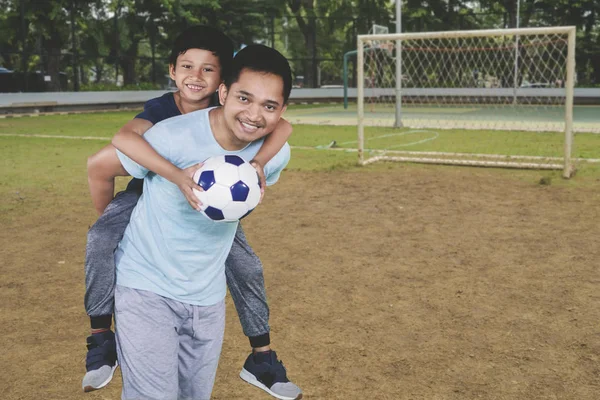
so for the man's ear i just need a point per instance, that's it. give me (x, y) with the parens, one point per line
(283, 108)
(172, 71)
(222, 93)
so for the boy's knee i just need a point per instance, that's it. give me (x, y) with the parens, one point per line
(255, 269)
(101, 235)
(252, 271)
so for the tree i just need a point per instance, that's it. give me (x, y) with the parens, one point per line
(132, 38)
(323, 19)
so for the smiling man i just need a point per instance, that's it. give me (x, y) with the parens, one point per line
(169, 299)
(250, 108)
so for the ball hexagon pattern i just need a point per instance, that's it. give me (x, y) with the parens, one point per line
(231, 188)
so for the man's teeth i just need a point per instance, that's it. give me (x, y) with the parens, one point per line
(248, 126)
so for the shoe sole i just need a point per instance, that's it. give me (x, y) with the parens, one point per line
(88, 389)
(251, 379)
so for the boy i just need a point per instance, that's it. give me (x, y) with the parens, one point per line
(169, 298)
(200, 56)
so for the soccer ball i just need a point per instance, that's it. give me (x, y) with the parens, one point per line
(231, 188)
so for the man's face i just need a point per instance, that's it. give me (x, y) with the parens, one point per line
(253, 105)
(197, 74)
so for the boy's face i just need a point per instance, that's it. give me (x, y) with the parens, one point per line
(197, 74)
(253, 105)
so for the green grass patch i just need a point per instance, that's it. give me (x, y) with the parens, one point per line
(299, 106)
(35, 168)
(587, 145)
(460, 141)
(92, 124)
(60, 164)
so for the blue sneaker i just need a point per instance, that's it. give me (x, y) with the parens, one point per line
(101, 361)
(265, 371)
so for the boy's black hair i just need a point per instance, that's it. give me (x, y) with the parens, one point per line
(259, 58)
(205, 38)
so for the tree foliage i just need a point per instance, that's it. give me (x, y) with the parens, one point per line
(95, 41)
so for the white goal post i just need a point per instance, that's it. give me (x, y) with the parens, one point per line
(466, 86)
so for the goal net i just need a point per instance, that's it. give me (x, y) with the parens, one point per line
(490, 98)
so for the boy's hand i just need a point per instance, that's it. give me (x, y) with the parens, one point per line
(187, 185)
(261, 176)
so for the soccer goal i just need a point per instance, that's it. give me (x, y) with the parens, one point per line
(500, 98)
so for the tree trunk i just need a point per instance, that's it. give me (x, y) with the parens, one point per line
(594, 57)
(128, 71)
(308, 27)
(128, 63)
(153, 51)
(53, 46)
(99, 71)
(511, 9)
(84, 75)
(310, 37)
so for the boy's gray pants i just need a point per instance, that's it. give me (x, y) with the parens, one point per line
(243, 268)
(167, 350)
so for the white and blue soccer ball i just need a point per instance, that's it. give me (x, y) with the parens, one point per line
(231, 188)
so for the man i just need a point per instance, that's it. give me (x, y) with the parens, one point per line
(169, 306)
(200, 58)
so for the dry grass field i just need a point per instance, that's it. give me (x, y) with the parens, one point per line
(385, 282)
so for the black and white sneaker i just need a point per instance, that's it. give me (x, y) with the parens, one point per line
(101, 361)
(265, 371)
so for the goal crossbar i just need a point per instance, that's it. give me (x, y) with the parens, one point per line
(472, 33)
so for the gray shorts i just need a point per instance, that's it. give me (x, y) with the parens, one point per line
(167, 349)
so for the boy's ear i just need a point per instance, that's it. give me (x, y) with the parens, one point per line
(222, 93)
(172, 71)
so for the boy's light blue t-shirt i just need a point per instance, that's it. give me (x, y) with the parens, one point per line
(168, 247)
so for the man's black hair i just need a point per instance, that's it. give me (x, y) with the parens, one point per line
(259, 58)
(205, 38)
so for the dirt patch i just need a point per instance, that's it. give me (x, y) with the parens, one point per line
(399, 283)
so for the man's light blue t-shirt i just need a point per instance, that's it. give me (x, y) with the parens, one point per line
(168, 247)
